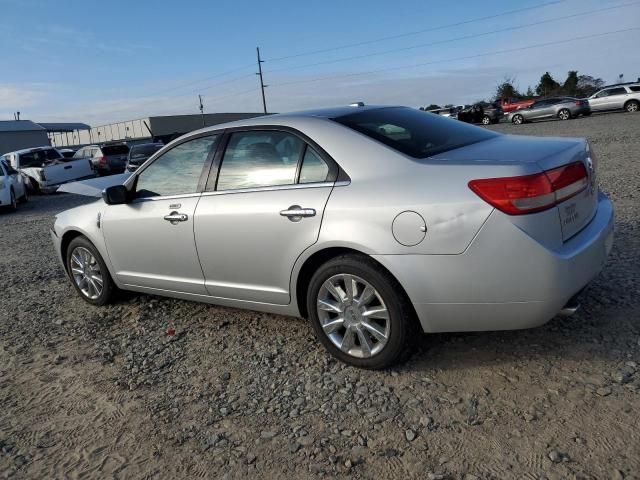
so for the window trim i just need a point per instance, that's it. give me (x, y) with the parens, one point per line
(335, 172)
(132, 182)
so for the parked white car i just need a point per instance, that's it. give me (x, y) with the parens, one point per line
(46, 168)
(12, 187)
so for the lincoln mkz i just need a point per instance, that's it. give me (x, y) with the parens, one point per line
(372, 222)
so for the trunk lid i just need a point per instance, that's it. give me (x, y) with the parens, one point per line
(547, 154)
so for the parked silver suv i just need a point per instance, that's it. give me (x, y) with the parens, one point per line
(617, 97)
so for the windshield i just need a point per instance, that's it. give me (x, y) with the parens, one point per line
(143, 151)
(413, 132)
(115, 150)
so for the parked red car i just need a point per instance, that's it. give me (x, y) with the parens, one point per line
(511, 104)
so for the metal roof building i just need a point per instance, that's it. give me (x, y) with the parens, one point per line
(163, 128)
(19, 134)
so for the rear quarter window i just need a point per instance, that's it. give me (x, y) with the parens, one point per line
(414, 132)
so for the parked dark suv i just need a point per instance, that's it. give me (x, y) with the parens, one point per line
(106, 159)
(140, 153)
(481, 112)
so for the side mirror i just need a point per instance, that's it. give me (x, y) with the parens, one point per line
(115, 195)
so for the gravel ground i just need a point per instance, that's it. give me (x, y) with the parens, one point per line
(105, 392)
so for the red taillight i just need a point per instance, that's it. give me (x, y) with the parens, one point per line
(532, 193)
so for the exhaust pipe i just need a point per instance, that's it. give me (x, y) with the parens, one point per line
(571, 307)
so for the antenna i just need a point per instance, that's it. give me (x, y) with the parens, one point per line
(201, 109)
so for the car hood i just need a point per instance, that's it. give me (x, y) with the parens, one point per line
(93, 187)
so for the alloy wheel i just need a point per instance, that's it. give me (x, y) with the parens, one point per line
(632, 107)
(518, 119)
(486, 120)
(86, 273)
(564, 115)
(353, 315)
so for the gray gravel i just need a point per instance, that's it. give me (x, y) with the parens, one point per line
(105, 392)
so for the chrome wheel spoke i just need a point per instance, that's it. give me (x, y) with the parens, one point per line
(376, 312)
(367, 295)
(336, 292)
(333, 325)
(351, 286)
(348, 341)
(375, 331)
(365, 343)
(330, 306)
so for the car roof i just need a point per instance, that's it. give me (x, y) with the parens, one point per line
(32, 149)
(286, 118)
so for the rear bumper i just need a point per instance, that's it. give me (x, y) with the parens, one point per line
(505, 280)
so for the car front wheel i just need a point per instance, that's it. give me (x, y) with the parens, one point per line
(359, 312)
(88, 272)
(486, 120)
(518, 119)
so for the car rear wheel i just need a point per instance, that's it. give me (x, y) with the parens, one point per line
(359, 312)
(564, 114)
(632, 106)
(518, 119)
(88, 272)
(486, 120)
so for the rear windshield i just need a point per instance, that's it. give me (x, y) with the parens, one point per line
(144, 151)
(413, 132)
(37, 158)
(115, 150)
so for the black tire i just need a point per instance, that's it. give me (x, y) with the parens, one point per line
(108, 289)
(564, 114)
(25, 197)
(517, 119)
(632, 106)
(13, 203)
(402, 322)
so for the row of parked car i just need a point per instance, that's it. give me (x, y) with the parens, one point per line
(615, 97)
(44, 169)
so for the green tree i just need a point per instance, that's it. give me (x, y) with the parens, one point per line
(547, 86)
(570, 86)
(507, 89)
(433, 106)
(587, 85)
(529, 93)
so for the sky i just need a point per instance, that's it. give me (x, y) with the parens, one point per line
(99, 62)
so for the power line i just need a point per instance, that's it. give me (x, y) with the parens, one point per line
(440, 42)
(416, 32)
(479, 55)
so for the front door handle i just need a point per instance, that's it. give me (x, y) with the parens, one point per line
(295, 213)
(176, 217)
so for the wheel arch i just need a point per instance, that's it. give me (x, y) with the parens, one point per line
(316, 259)
(631, 100)
(66, 239)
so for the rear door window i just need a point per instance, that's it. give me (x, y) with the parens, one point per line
(617, 91)
(259, 159)
(413, 132)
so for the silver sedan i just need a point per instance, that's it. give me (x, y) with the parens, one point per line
(563, 108)
(373, 222)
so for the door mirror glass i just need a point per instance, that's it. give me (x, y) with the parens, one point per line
(115, 195)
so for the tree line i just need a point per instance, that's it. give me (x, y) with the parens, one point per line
(574, 86)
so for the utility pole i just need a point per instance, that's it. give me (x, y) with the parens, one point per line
(262, 85)
(201, 109)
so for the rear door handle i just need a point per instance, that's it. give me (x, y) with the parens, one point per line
(175, 217)
(295, 213)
